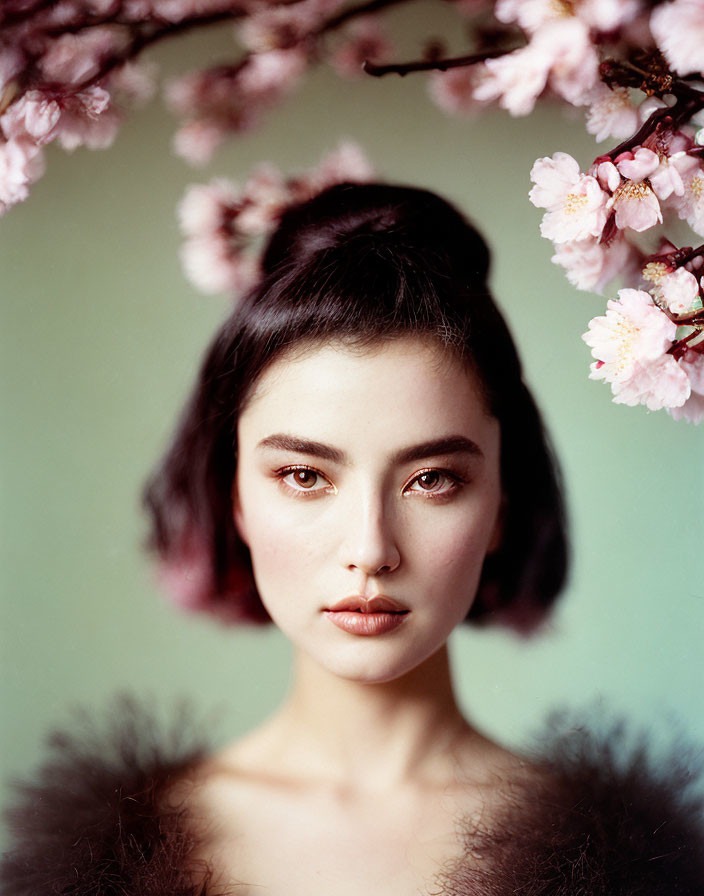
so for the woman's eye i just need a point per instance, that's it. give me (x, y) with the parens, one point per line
(434, 482)
(303, 479)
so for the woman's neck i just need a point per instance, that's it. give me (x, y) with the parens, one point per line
(376, 735)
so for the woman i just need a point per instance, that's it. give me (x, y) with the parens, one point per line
(362, 464)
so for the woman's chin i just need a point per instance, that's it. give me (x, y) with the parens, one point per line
(371, 663)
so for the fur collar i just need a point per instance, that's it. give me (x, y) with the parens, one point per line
(588, 822)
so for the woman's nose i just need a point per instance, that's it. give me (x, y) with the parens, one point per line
(370, 543)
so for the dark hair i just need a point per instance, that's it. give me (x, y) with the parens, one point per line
(361, 263)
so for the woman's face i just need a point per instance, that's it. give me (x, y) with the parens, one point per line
(368, 474)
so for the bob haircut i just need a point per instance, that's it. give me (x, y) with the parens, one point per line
(360, 264)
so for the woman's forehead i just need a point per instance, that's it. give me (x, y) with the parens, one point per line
(409, 387)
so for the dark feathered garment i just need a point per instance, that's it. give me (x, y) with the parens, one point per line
(586, 822)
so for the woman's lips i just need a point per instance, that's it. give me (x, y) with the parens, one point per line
(362, 616)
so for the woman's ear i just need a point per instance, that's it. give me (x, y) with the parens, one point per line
(237, 516)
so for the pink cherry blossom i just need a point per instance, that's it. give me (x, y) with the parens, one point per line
(636, 206)
(226, 100)
(347, 162)
(611, 113)
(591, 265)
(264, 197)
(515, 80)
(658, 384)
(603, 15)
(608, 176)
(560, 51)
(21, 164)
(364, 41)
(639, 165)
(530, 15)
(693, 408)
(85, 118)
(133, 83)
(607, 15)
(203, 207)
(197, 141)
(690, 205)
(678, 29)
(667, 179)
(213, 265)
(282, 27)
(574, 201)
(88, 119)
(453, 91)
(634, 331)
(76, 58)
(222, 223)
(679, 290)
(574, 69)
(35, 115)
(274, 72)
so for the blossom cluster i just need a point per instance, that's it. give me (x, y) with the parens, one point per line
(224, 224)
(649, 344)
(70, 70)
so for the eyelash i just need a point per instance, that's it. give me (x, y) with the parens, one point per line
(456, 482)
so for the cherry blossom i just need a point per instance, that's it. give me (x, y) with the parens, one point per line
(667, 180)
(636, 206)
(71, 70)
(76, 58)
(197, 141)
(693, 408)
(638, 165)
(608, 176)
(574, 201)
(21, 163)
(560, 53)
(660, 384)
(679, 291)
(678, 29)
(221, 101)
(690, 205)
(83, 118)
(454, 90)
(631, 345)
(515, 80)
(347, 162)
(611, 113)
(592, 265)
(607, 15)
(366, 41)
(633, 333)
(202, 207)
(223, 223)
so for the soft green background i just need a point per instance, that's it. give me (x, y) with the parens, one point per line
(101, 337)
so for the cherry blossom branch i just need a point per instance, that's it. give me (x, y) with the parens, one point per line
(679, 257)
(67, 69)
(428, 65)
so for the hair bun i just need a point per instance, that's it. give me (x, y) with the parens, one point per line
(346, 214)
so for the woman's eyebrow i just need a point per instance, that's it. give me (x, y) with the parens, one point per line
(303, 446)
(434, 448)
(437, 447)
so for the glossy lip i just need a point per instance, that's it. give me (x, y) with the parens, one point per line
(358, 604)
(367, 616)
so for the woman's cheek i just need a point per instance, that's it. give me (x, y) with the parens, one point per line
(278, 545)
